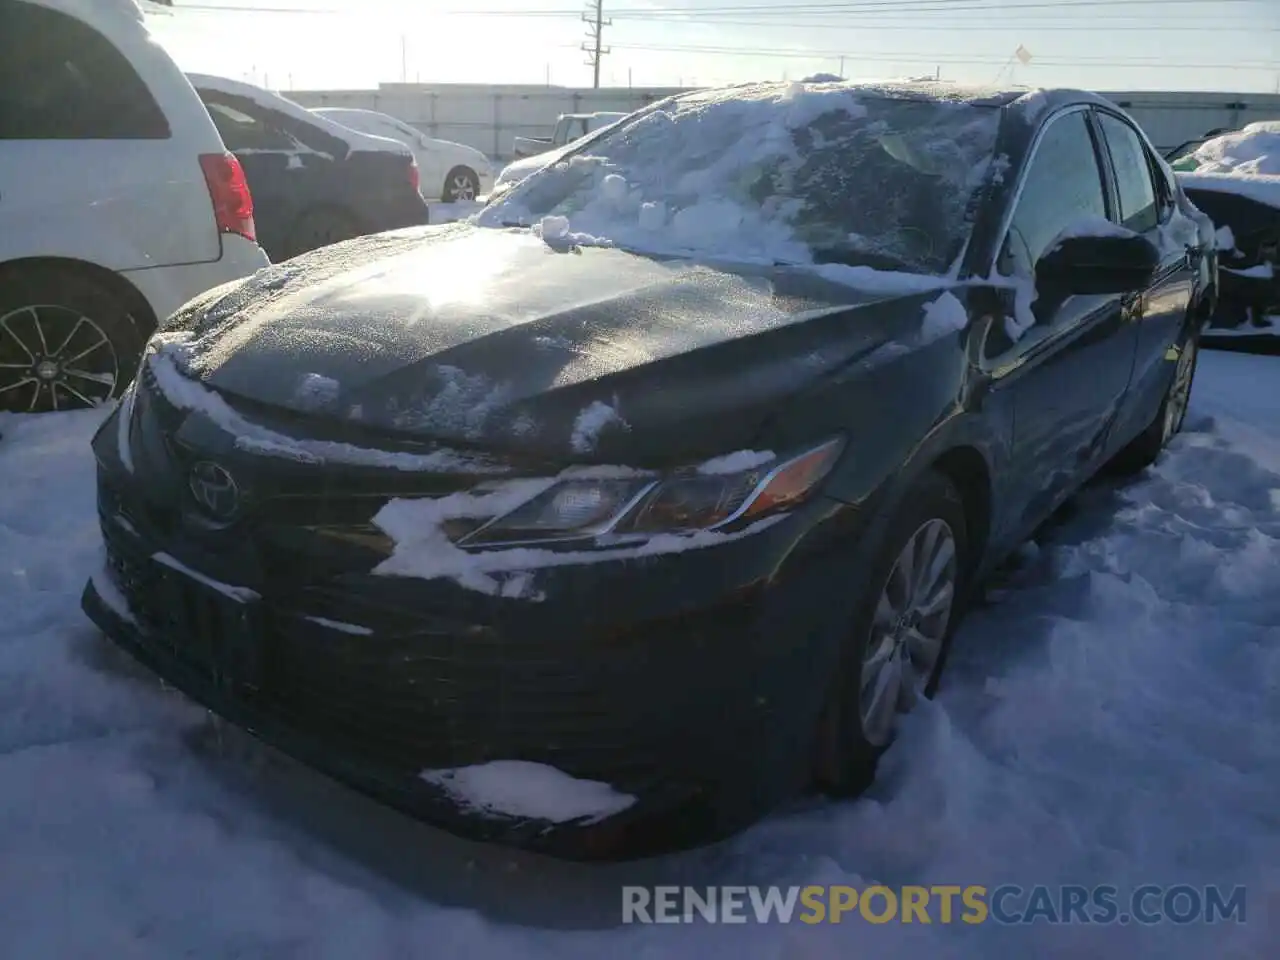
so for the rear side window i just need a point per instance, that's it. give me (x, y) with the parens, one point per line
(60, 79)
(243, 128)
(1139, 210)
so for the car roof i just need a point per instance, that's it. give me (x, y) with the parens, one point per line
(1033, 100)
(99, 13)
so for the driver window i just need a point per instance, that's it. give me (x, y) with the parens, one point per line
(1062, 186)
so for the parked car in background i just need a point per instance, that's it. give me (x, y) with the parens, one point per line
(517, 170)
(118, 200)
(1234, 178)
(448, 171)
(1180, 157)
(314, 181)
(674, 499)
(569, 127)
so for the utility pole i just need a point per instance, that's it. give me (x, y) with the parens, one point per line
(594, 19)
(404, 58)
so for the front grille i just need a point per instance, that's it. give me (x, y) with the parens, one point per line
(418, 694)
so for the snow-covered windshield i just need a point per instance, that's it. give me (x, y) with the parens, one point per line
(789, 173)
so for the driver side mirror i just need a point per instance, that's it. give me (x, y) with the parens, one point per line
(1113, 261)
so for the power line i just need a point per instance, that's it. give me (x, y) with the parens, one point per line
(789, 11)
(1093, 26)
(917, 57)
(596, 23)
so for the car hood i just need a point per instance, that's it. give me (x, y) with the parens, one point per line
(492, 338)
(520, 169)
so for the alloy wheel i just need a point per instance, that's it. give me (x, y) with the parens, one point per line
(908, 628)
(1175, 409)
(462, 188)
(54, 358)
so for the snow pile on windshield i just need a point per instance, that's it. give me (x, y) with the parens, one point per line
(524, 790)
(878, 177)
(1252, 151)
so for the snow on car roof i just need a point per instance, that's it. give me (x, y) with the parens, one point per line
(1263, 189)
(1251, 151)
(275, 101)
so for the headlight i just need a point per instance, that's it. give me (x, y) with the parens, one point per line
(682, 502)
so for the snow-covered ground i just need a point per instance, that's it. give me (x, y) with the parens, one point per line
(441, 212)
(1113, 718)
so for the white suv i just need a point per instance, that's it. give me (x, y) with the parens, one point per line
(118, 201)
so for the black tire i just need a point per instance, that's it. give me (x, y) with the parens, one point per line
(321, 227)
(460, 184)
(1146, 448)
(846, 754)
(67, 342)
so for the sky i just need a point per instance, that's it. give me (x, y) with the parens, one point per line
(1105, 45)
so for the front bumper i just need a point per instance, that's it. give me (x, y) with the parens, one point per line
(692, 681)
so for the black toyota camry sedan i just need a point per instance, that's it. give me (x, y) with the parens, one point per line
(605, 522)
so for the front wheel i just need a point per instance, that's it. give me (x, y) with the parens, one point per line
(66, 342)
(897, 644)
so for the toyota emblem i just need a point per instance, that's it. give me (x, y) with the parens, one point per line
(215, 490)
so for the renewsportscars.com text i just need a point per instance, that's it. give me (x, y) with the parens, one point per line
(1007, 904)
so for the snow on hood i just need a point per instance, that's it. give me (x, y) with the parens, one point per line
(484, 336)
(775, 173)
(520, 169)
(1252, 151)
(271, 100)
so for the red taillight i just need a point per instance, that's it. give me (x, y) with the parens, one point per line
(229, 191)
(415, 176)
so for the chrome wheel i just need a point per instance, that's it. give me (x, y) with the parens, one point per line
(54, 358)
(908, 628)
(1175, 407)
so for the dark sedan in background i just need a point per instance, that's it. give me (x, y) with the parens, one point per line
(1249, 266)
(314, 182)
(673, 473)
